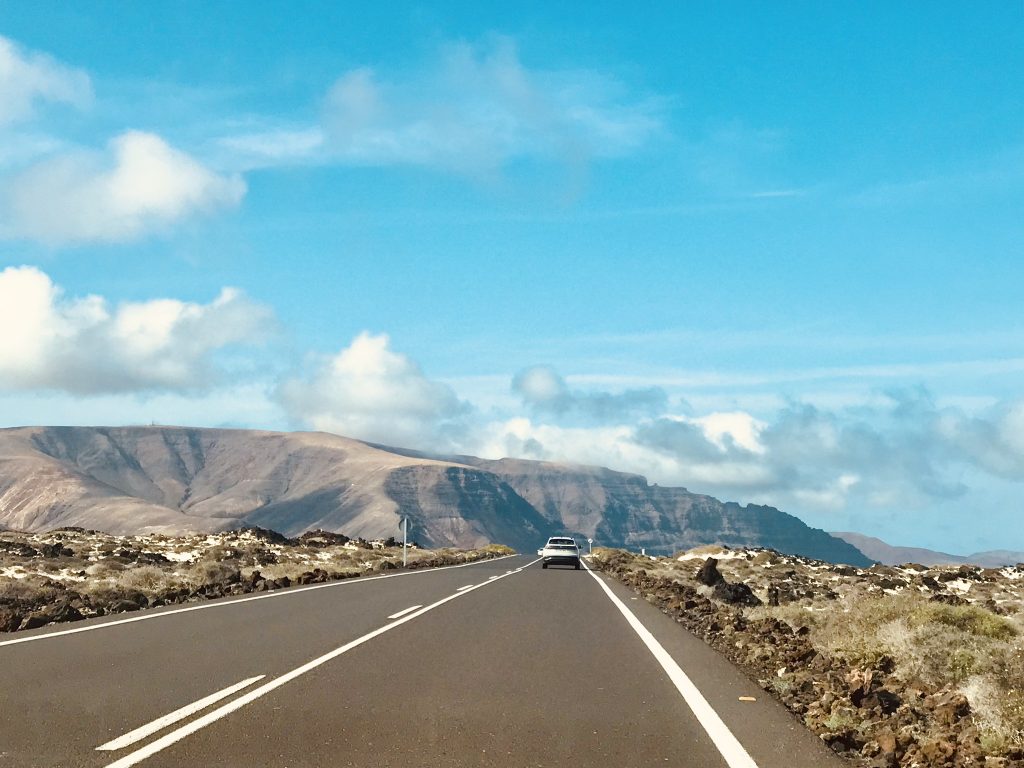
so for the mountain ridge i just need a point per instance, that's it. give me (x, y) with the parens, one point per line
(888, 554)
(176, 479)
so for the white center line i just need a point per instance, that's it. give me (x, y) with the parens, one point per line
(179, 714)
(199, 723)
(724, 740)
(400, 614)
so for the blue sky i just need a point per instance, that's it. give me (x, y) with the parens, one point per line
(771, 252)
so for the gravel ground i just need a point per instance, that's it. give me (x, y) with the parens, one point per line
(71, 574)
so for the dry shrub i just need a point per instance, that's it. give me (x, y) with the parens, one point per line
(148, 579)
(614, 558)
(339, 558)
(998, 713)
(970, 619)
(936, 654)
(221, 552)
(104, 569)
(794, 614)
(31, 589)
(704, 550)
(767, 557)
(498, 550)
(290, 569)
(101, 592)
(205, 573)
(939, 645)
(244, 554)
(934, 643)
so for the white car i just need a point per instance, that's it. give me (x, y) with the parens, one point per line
(560, 550)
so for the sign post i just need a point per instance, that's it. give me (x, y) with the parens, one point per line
(405, 540)
(590, 542)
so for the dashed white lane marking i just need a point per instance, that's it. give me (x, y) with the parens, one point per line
(400, 614)
(468, 586)
(199, 723)
(179, 714)
(226, 603)
(725, 742)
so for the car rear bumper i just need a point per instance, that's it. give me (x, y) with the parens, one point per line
(561, 560)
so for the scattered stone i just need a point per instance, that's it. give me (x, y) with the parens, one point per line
(55, 550)
(868, 714)
(321, 538)
(708, 574)
(736, 594)
(123, 606)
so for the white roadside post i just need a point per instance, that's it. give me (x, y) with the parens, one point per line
(405, 540)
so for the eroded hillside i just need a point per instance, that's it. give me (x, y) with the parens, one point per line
(177, 480)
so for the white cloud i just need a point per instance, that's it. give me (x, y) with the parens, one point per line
(28, 78)
(272, 147)
(893, 451)
(477, 110)
(544, 391)
(471, 112)
(888, 451)
(20, 148)
(83, 346)
(736, 427)
(372, 393)
(140, 184)
(540, 385)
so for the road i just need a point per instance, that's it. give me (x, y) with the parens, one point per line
(497, 663)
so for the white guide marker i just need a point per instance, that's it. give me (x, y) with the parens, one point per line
(400, 614)
(179, 714)
(725, 742)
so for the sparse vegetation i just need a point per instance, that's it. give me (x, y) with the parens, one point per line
(68, 575)
(893, 667)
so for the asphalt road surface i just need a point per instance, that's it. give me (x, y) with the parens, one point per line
(497, 663)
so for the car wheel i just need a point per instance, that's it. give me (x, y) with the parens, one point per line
(577, 566)
(543, 565)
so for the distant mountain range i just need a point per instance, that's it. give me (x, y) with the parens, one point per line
(127, 480)
(886, 554)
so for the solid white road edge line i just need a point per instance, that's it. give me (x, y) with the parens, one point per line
(179, 714)
(223, 603)
(400, 614)
(468, 586)
(211, 717)
(728, 745)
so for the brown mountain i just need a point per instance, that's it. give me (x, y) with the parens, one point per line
(175, 479)
(887, 554)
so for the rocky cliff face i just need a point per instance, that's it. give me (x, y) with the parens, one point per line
(618, 507)
(465, 505)
(130, 480)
